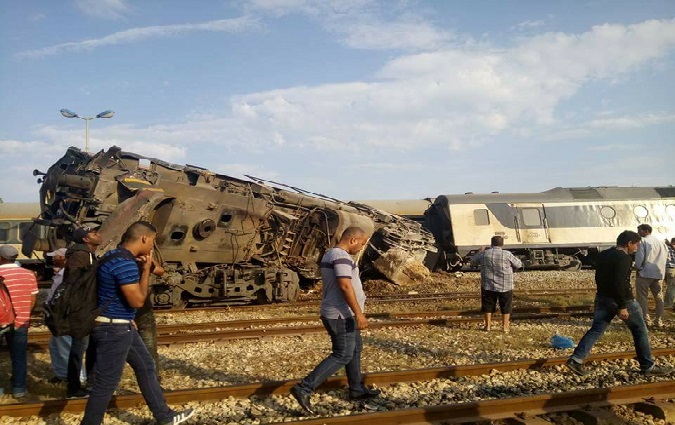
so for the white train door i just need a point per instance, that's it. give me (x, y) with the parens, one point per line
(531, 225)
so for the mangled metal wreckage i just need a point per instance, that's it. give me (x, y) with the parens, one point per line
(220, 239)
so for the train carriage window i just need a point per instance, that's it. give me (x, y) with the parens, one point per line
(531, 217)
(607, 212)
(4, 231)
(641, 211)
(670, 209)
(481, 217)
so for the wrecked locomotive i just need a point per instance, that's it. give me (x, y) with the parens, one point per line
(220, 239)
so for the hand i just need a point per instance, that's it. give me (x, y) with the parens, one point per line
(146, 261)
(482, 248)
(623, 314)
(361, 321)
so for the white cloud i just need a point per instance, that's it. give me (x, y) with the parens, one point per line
(451, 98)
(627, 123)
(365, 24)
(133, 35)
(529, 24)
(106, 9)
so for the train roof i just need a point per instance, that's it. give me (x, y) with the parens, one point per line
(405, 207)
(565, 194)
(18, 210)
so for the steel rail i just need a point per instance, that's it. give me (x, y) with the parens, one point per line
(175, 334)
(283, 387)
(384, 299)
(506, 408)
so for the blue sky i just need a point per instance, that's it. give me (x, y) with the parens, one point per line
(356, 99)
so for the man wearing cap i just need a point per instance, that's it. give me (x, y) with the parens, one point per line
(81, 254)
(59, 346)
(23, 289)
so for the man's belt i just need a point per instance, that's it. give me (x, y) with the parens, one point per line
(103, 319)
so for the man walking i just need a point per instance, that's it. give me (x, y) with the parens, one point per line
(122, 288)
(670, 275)
(342, 314)
(650, 261)
(81, 254)
(614, 297)
(496, 278)
(23, 290)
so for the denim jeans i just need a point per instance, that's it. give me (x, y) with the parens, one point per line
(117, 344)
(17, 342)
(59, 349)
(605, 310)
(147, 329)
(670, 287)
(75, 356)
(346, 352)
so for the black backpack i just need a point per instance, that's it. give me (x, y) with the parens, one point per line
(73, 308)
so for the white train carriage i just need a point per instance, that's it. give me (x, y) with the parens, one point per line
(558, 228)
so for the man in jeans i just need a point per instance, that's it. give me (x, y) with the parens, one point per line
(650, 261)
(122, 288)
(342, 315)
(80, 254)
(23, 290)
(670, 275)
(614, 297)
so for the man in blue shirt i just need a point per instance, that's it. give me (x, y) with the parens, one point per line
(122, 288)
(342, 314)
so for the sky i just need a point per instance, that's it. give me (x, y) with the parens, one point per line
(354, 99)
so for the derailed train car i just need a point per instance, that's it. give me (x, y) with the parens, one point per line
(559, 228)
(220, 239)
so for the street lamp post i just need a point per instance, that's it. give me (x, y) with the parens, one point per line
(70, 114)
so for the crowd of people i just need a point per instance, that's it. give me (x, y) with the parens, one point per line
(125, 329)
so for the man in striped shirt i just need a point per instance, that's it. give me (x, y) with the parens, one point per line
(342, 314)
(496, 276)
(123, 278)
(23, 289)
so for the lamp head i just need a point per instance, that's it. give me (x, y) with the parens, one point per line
(106, 114)
(68, 113)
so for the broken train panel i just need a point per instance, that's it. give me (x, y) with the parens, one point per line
(219, 238)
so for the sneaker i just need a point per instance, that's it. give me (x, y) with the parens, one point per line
(303, 399)
(367, 394)
(57, 380)
(575, 367)
(19, 394)
(658, 370)
(81, 393)
(179, 417)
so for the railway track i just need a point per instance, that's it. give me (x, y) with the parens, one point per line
(441, 296)
(243, 329)
(450, 413)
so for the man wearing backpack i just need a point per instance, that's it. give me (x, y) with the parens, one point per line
(23, 290)
(123, 284)
(79, 255)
